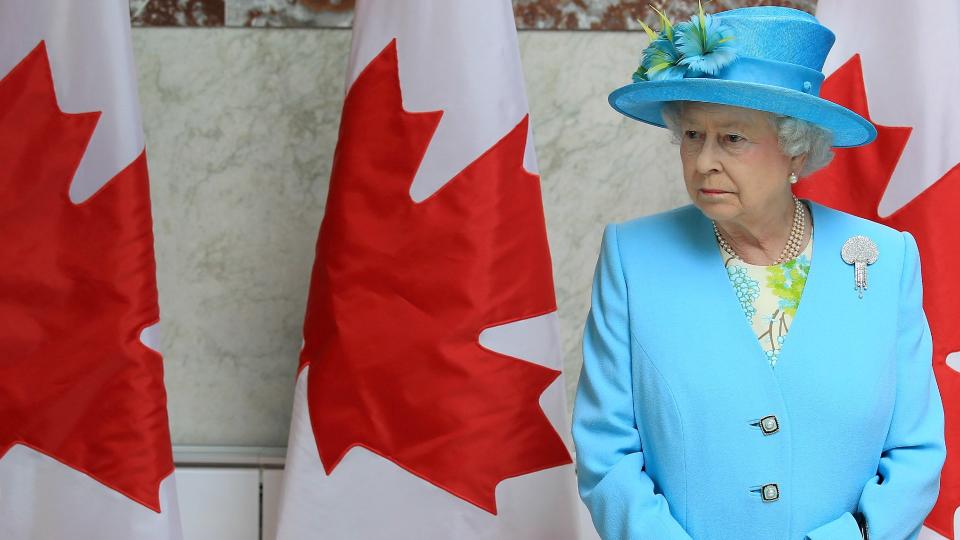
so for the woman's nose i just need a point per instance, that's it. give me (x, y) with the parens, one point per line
(708, 157)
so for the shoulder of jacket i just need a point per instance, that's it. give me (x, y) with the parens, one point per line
(658, 223)
(848, 225)
(852, 220)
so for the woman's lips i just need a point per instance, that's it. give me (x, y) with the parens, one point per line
(713, 191)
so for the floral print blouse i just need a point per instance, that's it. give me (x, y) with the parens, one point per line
(769, 295)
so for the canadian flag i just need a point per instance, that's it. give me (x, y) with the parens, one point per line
(430, 401)
(84, 439)
(887, 65)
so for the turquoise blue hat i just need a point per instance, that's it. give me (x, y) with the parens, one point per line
(764, 58)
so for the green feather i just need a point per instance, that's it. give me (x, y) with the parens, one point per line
(657, 68)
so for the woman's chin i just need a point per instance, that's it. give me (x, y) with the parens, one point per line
(716, 207)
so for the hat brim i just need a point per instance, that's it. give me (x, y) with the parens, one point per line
(643, 101)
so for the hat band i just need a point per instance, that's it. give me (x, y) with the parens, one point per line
(770, 72)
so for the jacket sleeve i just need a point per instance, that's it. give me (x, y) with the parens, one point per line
(898, 498)
(610, 466)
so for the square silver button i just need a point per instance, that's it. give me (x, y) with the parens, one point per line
(769, 425)
(770, 492)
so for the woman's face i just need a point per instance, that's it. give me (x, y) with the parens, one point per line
(733, 166)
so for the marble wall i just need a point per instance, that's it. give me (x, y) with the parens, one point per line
(530, 14)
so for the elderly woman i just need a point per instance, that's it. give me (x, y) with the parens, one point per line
(696, 415)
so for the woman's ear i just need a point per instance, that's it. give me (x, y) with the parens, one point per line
(796, 163)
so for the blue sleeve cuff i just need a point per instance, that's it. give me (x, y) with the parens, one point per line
(843, 528)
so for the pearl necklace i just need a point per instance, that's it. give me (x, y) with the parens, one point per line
(794, 243)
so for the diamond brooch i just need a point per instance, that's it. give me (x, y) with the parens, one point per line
(859, 251)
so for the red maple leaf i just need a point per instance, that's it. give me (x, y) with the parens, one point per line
(855, 182)
(401, 291)
(77, 286)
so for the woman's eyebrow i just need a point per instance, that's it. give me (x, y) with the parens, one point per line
(734, 124)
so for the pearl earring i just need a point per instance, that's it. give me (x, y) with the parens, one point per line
(793, 178)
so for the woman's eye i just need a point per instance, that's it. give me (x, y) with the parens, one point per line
(734, 138)
(691, 134)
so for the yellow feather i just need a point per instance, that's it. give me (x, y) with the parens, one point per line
(665, 23)
(650, 33)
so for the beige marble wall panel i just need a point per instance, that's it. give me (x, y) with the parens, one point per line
(241, 125)
(240, 128)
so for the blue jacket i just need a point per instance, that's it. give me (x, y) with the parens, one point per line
(667, 415)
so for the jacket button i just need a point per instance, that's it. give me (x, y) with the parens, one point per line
(769, 425)
(770, 492)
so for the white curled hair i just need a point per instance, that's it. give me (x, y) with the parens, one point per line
(796, 137)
